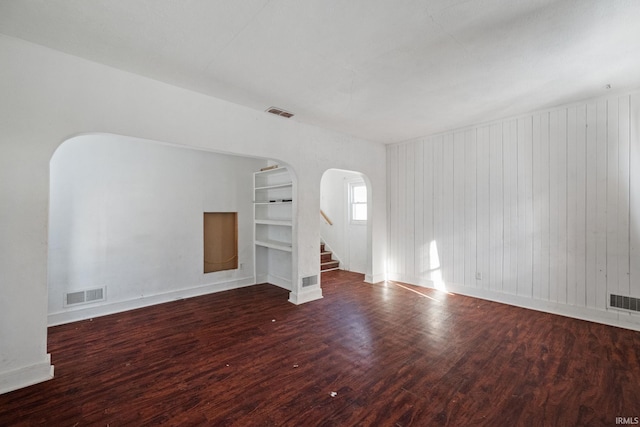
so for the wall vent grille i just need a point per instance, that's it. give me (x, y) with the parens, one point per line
(309, 281)
(279, 112)
(625, 303)
(84, 297)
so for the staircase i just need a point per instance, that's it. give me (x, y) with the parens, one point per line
(327, 263)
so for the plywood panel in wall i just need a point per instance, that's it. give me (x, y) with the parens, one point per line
(634, 195)
(525, 207)
(458, 207)
(558, 206)
(623, 195)
(562, 208)
(601, 205)
(470, 208)
(541, 200)
(435, 246)
(220, 241)
(612, 248)
(402, 212)
(581, 204)
(572, 204)
(428, 208)
(448, 214)
(410, 212)
(483, 222)
(554, 190)
(418, 184)
(496, 208)
(392, 208)
(510, 162)
(591, 206)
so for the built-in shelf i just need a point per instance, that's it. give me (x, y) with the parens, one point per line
(273, 187)
(273, 203)
(273, 207)
(274, 244)
(283, 222)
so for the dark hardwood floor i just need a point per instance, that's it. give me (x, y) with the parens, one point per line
(394, 355)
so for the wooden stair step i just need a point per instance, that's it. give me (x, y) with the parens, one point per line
(329, 265)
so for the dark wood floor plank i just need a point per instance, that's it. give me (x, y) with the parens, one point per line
(394, 354)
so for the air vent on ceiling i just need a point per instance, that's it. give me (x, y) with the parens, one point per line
(279, 112)
(84, 297)
(626, 303)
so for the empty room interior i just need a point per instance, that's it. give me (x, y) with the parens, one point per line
(297, 213)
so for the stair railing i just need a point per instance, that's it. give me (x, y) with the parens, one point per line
(325, 217)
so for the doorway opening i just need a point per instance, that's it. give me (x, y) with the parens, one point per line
(345, 221)
(128, 224)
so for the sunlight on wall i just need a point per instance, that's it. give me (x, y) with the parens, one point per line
(434, 264)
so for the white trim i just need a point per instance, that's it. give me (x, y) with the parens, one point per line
(375, 278)
(26, 376)
(607, 317)
(560, 107)
(84, 313)
(306, 296)
(281, 282)
(351, 184)
(349, 222)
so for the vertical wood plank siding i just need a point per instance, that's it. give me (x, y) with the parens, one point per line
(544, 207)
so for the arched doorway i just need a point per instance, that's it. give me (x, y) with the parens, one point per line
(126, 223)
(345, 229)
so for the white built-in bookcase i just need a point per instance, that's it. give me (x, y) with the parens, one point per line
(273, 204)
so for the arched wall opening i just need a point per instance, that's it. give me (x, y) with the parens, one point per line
(103, 98)
(126, 218)
(344, 229)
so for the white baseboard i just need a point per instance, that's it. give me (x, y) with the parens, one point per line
(611, 317)
(305, 296)
(26, 376)
(117, 307)
(281, 282)
(375, 278)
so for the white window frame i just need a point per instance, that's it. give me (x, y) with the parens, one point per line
(351, 187)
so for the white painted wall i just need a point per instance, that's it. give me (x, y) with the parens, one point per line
(127, 214)
(346, 240)
(49, 97)
(545, 207)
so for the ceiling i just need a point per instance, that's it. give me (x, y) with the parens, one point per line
(383, 70)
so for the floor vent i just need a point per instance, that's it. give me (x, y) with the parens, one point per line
(626, 303)
(309, 281)
(84, 297)
(279, 112)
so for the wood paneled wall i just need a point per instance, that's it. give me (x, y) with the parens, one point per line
(545, 207)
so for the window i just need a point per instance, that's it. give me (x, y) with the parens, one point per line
(358, 202)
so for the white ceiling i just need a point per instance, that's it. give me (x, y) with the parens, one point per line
(383, 70)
